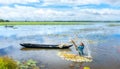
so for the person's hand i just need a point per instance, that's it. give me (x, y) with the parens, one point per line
(72, 41)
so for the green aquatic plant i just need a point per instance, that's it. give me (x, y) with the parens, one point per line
(30, 64)
(114, 25)
(7, 63)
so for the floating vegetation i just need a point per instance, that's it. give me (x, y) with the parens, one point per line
(92, 42)
(9, 63)
(114, 25)
(73, 57)
(90, 29)
(30, 64)
(58, 35)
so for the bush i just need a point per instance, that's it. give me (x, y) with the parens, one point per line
(2, 20)
(7, 63)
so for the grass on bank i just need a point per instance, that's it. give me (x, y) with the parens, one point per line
(45, 23)
(114, 25)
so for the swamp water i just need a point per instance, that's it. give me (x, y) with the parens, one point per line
(102, 40)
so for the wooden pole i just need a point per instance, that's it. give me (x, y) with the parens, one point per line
(74, 44)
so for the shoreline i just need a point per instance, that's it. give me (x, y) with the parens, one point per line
(45, 23)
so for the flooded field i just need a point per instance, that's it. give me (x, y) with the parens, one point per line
(101, 39)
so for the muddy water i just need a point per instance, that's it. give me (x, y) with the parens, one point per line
(103, 42)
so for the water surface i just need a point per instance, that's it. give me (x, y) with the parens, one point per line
(102, 40)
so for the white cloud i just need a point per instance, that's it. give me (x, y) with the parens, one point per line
(102, 11)
(112, 2)
(61, 2)
(81, 2)
(32, 13)
(17, 1)
(70, 2)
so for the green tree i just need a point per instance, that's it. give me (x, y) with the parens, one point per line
(1, 20)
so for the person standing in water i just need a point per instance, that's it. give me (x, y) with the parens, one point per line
(79, 48)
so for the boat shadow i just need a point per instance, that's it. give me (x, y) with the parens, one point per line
(37, 49)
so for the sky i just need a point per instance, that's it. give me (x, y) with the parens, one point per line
(60, 10)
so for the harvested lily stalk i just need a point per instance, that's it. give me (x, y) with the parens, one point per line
(73, 57)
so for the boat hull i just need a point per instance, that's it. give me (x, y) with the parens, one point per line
(29, 45)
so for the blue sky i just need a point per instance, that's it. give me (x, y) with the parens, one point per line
(49, 10)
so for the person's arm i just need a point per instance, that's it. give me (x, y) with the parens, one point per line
(74, 44)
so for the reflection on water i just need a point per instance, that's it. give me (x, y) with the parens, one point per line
(6, 50)
(35, 49)
(103, 42)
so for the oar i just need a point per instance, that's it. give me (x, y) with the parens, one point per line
(74, 44)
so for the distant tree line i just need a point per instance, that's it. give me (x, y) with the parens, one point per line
(2, 20)
(66, 21)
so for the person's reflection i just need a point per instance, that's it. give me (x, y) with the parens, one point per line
(76, 65)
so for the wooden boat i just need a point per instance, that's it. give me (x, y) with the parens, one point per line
(30, 45)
